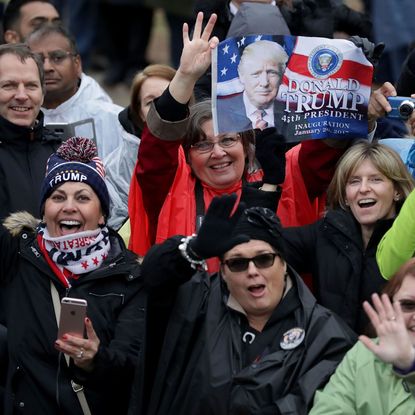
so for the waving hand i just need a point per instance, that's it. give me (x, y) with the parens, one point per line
(195, 59)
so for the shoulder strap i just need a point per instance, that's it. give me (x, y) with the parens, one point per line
(200, 204)
(78, 389)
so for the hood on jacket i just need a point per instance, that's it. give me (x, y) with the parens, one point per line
(18, 221)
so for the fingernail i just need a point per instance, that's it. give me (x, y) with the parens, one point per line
(65, 337)
(87, 319)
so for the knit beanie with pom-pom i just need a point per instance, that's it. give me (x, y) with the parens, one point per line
(76, 160)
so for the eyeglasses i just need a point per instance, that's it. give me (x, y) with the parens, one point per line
(56, 56)
(241, 264)
(407, 306)
(206, 146)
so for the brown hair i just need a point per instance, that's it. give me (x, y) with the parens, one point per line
(202, 112)
(395, 283)
(23, 52)
(157, 70)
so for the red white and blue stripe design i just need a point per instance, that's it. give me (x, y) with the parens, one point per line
(324, 91)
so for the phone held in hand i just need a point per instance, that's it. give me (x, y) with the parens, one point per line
(72, 319)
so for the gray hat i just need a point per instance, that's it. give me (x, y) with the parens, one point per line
(258, 18)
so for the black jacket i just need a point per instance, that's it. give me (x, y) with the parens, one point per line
(38, 379)
(23, 155)
(304, 18)
(206, 368)
(344, 273)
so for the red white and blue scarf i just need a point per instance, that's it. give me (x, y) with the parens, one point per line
(74, 254)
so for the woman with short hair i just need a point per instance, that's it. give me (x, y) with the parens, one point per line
(250, 339)
(182, 164)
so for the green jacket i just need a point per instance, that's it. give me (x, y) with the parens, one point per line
(398, 244)
(364, 385)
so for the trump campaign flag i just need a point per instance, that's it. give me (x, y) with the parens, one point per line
(308, 88)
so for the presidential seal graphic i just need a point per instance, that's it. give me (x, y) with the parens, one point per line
(325, 60)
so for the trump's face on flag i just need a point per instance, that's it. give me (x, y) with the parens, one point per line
(260, 70)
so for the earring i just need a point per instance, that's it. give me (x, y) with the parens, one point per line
(346, 203)
(396, 198)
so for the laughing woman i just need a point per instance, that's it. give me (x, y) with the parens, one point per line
(176, 179)
(70, 253)
(368, 188)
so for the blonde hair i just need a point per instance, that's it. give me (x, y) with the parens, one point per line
(386, 160)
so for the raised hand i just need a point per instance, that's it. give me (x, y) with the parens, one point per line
(394, 342)
(195, 59)
(196, 54)
(215, 235)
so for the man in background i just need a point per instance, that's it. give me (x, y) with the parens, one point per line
(71, 99)
(22, 17)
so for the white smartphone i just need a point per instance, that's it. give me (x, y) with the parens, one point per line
(72, 319)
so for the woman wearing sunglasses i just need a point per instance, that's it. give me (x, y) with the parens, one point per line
(377, 376)
(247, 340)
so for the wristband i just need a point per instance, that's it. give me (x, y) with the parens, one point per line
(405, 371)
(187, 253)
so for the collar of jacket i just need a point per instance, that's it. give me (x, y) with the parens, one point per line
(126, 119)
(12, 133)
(346, 223)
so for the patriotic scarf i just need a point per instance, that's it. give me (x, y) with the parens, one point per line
(74, 254)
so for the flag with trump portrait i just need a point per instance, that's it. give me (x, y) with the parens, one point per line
(307, 87)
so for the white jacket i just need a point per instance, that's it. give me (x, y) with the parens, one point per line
(115, 146)
(90, 102)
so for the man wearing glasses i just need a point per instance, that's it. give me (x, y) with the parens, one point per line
(23, 17)
(74, 106)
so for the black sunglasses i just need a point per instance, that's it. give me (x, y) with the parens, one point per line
(241, 264)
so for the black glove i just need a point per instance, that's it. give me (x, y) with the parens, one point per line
(270, 150)
(215, 235)
(372, 52)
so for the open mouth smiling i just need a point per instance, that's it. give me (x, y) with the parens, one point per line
(221, 165)
(20, 109)
(366, 203)
(70, 225)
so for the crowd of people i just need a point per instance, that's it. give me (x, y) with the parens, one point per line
(237, 272)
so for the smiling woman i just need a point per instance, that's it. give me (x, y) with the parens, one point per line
(71, 253)
(182, 164)
(367, 190)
